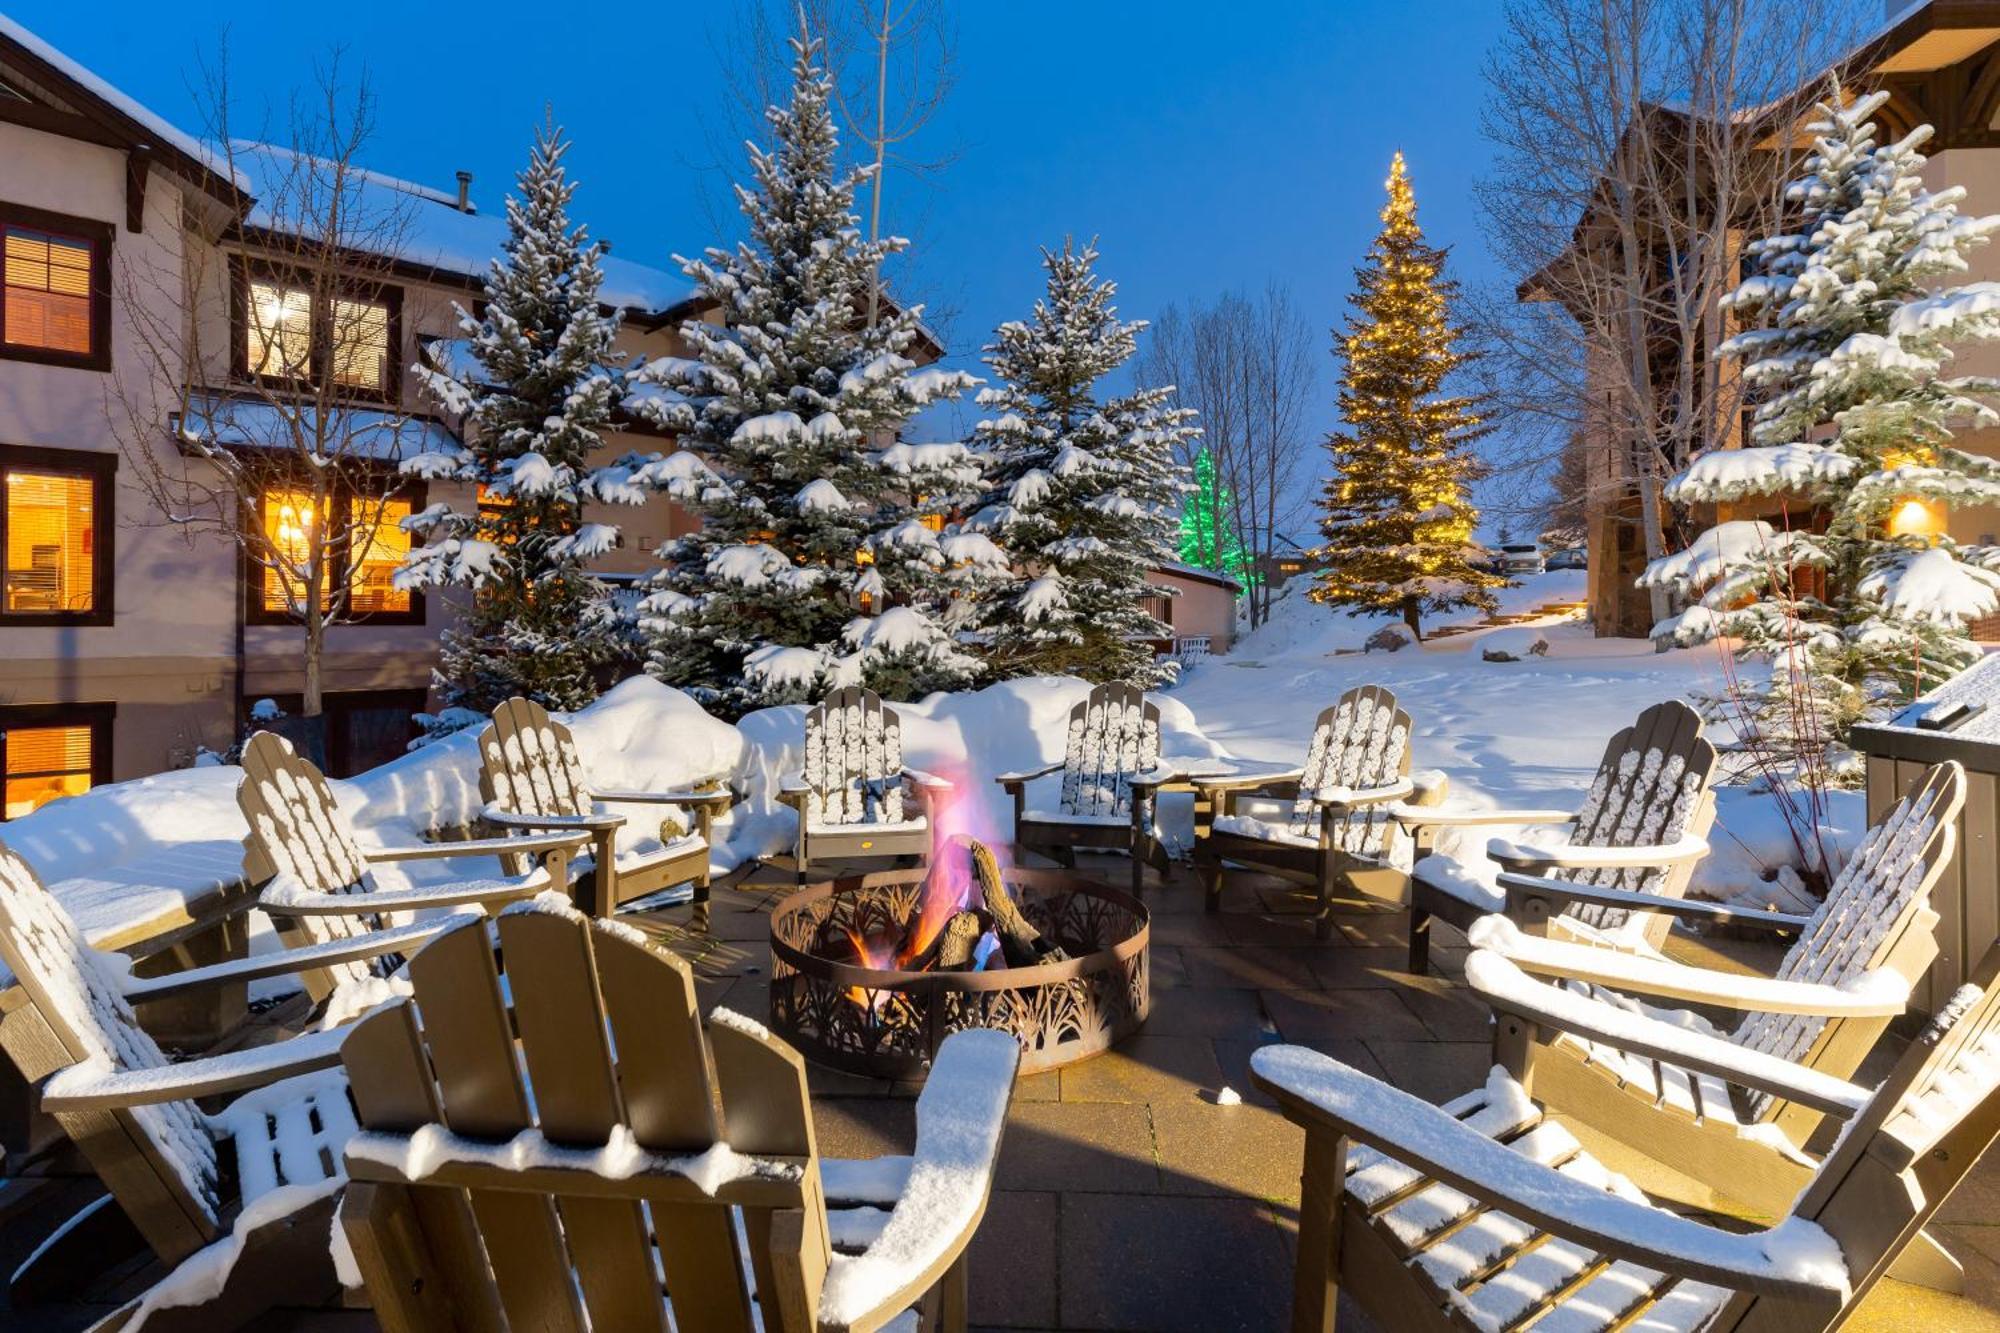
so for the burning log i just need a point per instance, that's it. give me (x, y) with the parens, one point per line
(1020, 942)
(955, 946)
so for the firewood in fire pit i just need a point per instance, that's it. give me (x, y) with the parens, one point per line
(1020, 942)
(961, 935)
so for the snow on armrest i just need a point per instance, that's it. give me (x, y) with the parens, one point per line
(94, 1085)
(1028, 775)
(1797, 1256)
(514, 819)
(1436, 816)
(1567, 856)
(1394, 791)
(794, 782)
(285, 896)
(1237, 777)
(959, 1118)
(923, 779)
(347, 949)
(1639, 901)
(1507, 987)
(438, 851)
(1157, 776)
(1880, 993)
(683, 796)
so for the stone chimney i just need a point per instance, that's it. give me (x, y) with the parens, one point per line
(465, 192)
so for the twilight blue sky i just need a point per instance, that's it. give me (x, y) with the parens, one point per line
(1207, 147)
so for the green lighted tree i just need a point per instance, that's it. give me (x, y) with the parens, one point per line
(1207, 540)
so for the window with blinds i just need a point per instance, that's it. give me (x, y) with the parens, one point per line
(279, 330)
(376, 550)
(47, 284)
(368, 545)
(51, 543)
(360, 338)
(289, 334)
(289, 525)
(45, 762)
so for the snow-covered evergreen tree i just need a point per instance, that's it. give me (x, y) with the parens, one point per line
(1397, 513)
(824, 556)
(1864, 599)
(536, 386)
(1085, 490)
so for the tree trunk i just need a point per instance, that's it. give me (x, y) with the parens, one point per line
(1413, 617)
(881, 162)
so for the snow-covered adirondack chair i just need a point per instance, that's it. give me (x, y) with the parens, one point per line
(1324, 823)
(493, 1189)
(1484, 1214)
(1605, 1060)
(1111, 776)
(133, 1114)
(533, 779)
(320, 888)
(854, 796)
(1643, 825)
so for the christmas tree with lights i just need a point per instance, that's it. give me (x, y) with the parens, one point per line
(1208, 540)
(1396, 514)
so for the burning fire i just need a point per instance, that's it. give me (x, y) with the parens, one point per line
(952, 887)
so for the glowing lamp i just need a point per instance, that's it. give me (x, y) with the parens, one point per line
(1915, 518)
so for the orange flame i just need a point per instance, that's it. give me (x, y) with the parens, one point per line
(956, 814)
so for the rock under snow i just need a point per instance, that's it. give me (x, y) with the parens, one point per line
(1511, 645)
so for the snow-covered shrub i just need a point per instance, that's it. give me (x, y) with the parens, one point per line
(1511, 645)
(1389, 639)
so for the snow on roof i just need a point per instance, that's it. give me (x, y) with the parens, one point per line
(434, 233)
(1175, 568)
(128, 106)
(356, 432)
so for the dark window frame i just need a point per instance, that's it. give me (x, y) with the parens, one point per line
(100, 236)
(97, 716)
(102, 471)
(250, 268)
(254, 572)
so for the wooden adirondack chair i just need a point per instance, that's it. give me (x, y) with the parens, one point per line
(532, 778)
(1642, 825)
(1482, 1213)
(1325, 823)
(133, 1113)
(320, 889)
(1111, 777)
(854, 797)
(1606, 1061)
(459, 1229)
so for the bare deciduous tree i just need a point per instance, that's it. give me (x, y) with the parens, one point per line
(269, 416)
(1248, 367)
(1637, 142)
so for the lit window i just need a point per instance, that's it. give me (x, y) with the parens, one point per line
(287, 334)
(1915, 518)
(378, 547)
(289, 524)
(361, 344)
(48, 291)
(51, 543)
(280, 330)
(47, 756)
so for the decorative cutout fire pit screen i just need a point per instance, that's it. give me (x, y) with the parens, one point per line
(857, 982)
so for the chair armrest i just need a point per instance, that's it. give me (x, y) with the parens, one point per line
(285, 896)
(515, 819)
(439, 851)
(923, 779)
(1158, 776)
(1016, 779)
(1508, 989)
(1320, 1093)
(1878, 994)
(1244, 779)
(400, 939)
(688, 796)
(92, 1086)
(1348, 797)
(1520, 886)
(1432, 816)
(960, 1115)
(1525, 856)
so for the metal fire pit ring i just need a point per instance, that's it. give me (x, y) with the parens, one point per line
(1060, 1012)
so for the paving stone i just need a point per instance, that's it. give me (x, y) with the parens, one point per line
(1257, 968)
(1043, 1087)
(1309, 1017)
(1013, 1261)
(864, 1126)
(1205, 1011)
(1447, 1008)
(1360, 965)
(1100, 1146)
(1436, 1071)
(1166, 968)
(1171, 1265)
(1289, 929)
(1234, 1057)
(1151, 1067)
(1196, 927)
(1248, 1150)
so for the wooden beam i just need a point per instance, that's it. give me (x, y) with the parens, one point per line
(37, 116)
(138, 165)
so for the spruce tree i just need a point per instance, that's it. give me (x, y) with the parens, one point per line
(1084, 490)
(1864, 601)
(537, 386)
(1397, 515)
(824, 556)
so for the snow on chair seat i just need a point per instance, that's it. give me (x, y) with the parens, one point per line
(620, 1095)
(532, 777)
(1484, 1214)
(853, 796)
(1648, 808)
(1844, 977)
(1328, 823)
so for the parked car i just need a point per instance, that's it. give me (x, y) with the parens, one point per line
(1522, 559)
(1574, 557)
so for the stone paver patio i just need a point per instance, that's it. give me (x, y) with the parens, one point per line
(1128, 1198)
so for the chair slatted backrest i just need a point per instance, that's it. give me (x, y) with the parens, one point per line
(1898, 1160)
(160, 1159)
(854, 760)
(612, 1057)
(528, 762)
(297, 828)
(1362, 741)
(1876, 914)
(1651, 788)
(1114, 734)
